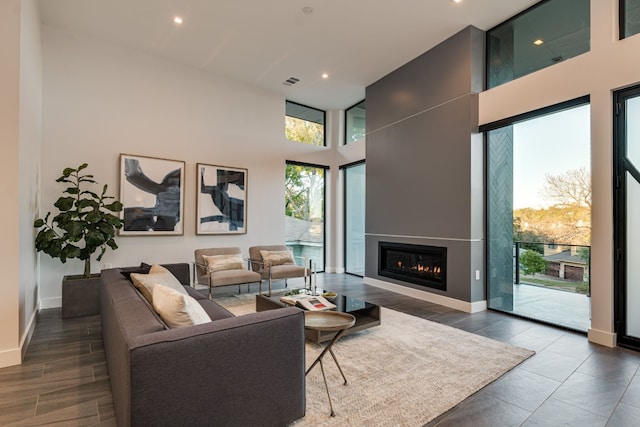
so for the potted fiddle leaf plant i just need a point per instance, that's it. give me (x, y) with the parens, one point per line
(86, 223)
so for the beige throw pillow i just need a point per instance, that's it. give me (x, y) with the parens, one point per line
(176, 309)
(224, 262)
(277, 257)
(158, 275)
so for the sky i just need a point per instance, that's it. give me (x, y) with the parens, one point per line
(549, 144)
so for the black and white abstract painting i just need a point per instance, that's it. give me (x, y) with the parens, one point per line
(152, 193)
(221, 200)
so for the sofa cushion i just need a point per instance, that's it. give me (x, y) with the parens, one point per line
(157, 275)
(277, 257)
(142, 269)
(177, 309)
(215, 311)
(224, 262)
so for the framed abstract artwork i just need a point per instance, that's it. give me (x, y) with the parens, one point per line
(152, 194)
(221, 200)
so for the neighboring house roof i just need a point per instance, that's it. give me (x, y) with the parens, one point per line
(301, 231)
(565, 256)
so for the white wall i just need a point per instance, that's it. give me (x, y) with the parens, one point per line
(100, 100)
(29, 162)
(9, 135)
(611, 64)
(20, 77)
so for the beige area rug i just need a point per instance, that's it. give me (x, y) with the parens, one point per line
(405, 372)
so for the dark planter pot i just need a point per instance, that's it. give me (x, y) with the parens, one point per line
(80, 296)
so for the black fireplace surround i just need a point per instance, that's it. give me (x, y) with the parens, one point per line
(417, 264)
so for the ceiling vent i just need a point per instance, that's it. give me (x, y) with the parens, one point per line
(291, 81)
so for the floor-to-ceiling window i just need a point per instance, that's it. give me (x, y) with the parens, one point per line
(627, 215)
(539, 215)
(304, 211)
(354, 217)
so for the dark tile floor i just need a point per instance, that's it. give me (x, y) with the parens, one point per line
(570, 382)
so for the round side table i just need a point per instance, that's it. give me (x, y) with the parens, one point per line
(328, 321)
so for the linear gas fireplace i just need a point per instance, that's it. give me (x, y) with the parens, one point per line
(418, 264)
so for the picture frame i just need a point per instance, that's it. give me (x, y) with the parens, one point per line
(152, 195)
(221, 199)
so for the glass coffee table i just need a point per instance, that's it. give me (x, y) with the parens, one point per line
(366, 314)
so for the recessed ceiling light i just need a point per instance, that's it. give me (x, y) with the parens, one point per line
(307, 9)
(538, 42)
(457, 1)
(325, 75)
(177, 20)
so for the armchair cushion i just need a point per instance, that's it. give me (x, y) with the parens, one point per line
(177, 309)
(277, 257)
(224, 262)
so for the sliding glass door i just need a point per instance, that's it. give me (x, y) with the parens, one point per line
(627, 215)
(539, 216)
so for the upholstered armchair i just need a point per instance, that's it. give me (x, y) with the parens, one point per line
(223, 267)
(276, 262)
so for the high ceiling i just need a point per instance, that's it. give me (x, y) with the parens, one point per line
(265, 42)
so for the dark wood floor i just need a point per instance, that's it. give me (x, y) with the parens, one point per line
(64, 380)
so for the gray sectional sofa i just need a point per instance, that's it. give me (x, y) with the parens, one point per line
(233, 371)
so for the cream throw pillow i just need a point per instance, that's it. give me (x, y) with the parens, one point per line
(158, 275)
(176, 309)
(224, 262)
(277, 257)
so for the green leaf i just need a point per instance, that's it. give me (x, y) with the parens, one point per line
(87, 203)
(114, 206)
(64, 217)
(92, 194)
(71, 251)
(64, 203)
(93, 216)
(102, 251)
(67, 171)
(112, 244)
(94, 239)
(72, 190)
(38, 223)
(106, 228)
(75, 230)
(82, 166)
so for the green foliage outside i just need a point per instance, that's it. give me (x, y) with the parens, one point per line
(85, 223)
(532, 262)
(303, 192)
(303, 131)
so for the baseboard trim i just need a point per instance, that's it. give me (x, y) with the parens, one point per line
(26, 338)
(10, 357)
(54, 302)
(607, 339)
(467, 307)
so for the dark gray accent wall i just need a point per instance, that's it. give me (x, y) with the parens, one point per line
(425, 161)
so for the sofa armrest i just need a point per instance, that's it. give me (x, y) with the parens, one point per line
(247, 370)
